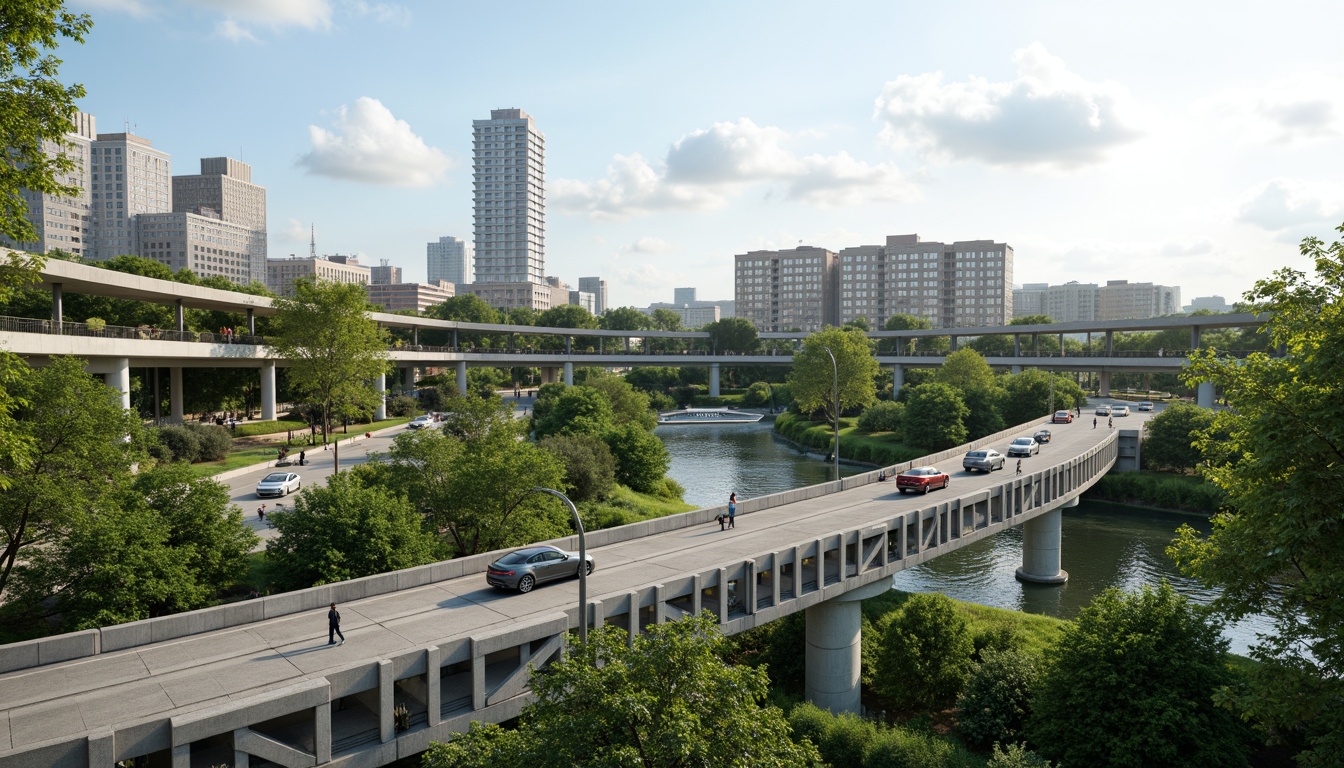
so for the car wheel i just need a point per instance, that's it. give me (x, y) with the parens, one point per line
(926, 489)
(589, 569)
(526, 583)
(946, 482)
(902, 490)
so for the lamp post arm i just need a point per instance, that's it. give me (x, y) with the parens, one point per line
(583, 561)
(835, 392)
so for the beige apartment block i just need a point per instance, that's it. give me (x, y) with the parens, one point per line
(225, 186)
(61, 222)
(128, 177)
(204, 244)
(1117, 300)
(449, 259)
(510, 295)
(398, 297)
(509, 176)
(281, 273)
(787, 290)
(1123, 300)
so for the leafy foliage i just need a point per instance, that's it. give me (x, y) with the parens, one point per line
(997, 700)
(1169, 438)
(666, 701)
(733, 335)
(884, 416)
(814, 378)
(641, 458)
(590, 469)
(934, 417)
(1279, 549)
(1132, 682)
(561, 410)
(925, 656)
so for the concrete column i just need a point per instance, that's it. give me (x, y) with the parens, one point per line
(268, 390)
(120, 380)
(1194, 337)
(251, 321)
(1110, 343)
(415, 336)
(713, 379)
(954, 344)
(569, 374)
(158, 398)
(380, 384)
(408, 377)
(1017, 345)
(175, 413)
(1204, 395)
(462, 377)
(1104, 385)
(1035, 345)
(569, 345)
(1041, 550)
(897, 379)
(834, 647)
(181, 317)
(1061, 345)
(386, 701)
(57, 306)
(454, 339)
(1017, 369)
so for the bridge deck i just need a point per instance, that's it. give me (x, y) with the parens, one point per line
(154, 683)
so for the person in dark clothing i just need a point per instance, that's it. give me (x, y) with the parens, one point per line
(334, 626)
(303, 458)
(732, 510)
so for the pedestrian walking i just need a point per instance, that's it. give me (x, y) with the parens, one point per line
(261, 512)
(1094, 422)
(1110, 423)
(334, 626)
(1019, 466)
(732, 510)
(303, 458)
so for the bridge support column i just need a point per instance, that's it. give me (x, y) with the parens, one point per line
(380, 384)
(408, 377)
(175, 413)
(1104, 384)
(1041, 548)
(268, 390)
(1204, 395)
(57, 307)
(120, 380)
(569, 374)
(181, 317)
(461, 377)
(897, 379)
(713, 379)
(1017, 369)
(834, 649)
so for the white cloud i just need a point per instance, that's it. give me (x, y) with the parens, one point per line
(1294, 209)
(1301, 107)
(1047, 116)
(235, 32)
(370, 145)
(649, 245)
(131, 7)
(388, 13)
(309, 14)
(295, 231)
(707, 168)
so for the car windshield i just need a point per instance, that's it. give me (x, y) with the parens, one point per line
(922, 471)
(514, 558)
(1023, 440)
(275, 477)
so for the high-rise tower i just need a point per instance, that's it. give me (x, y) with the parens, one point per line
(130, 177)
(449, 259)
(509, 167)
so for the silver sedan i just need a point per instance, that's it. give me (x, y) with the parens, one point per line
(278, 484)
(525, 568)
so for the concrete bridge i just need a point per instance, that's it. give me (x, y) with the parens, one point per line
(255, 680)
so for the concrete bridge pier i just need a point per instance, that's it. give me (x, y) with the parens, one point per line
(713, 379)
(834, 649)
(897, 379)
(119, 380)
(462, 377)
(1016, 369)
(1204, 395)
(380, 384)
(1041, 548)
(268, 390)
(1104, 384)
(176, 412)
(569, 374)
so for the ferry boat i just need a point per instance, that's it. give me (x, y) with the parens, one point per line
(709, 416)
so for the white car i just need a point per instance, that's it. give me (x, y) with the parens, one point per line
(420, 422)
(1024, 446)
(1145, 406)
(1119, 410)
(278, 484)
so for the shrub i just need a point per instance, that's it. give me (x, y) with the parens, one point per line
(925, 657)
(1015, 756)
(997, 699)
(401, 405)
(757, 396)
(590, 469)
(214, 441)
(902, 748)
(882, 417)
(182, 443)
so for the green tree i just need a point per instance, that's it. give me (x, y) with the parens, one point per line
(1169, 439)
(1028, 395)
(884, 416)
(335, 350)
(567, 316)
(590, 469)
(35, 109)
(345, 530)
(934, 417)
(932, 345)
(997, 700)
(667, 700)
(965, 369)
(466, 308)
(641, 458)
(625, 319)
(75, 434)
(1131, 682)
(627, 403)
(733, 335)
(1279, 547)
(925, 656)
(572, 411)
(813, 378)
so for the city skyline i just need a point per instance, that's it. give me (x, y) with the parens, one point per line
(1143, 143)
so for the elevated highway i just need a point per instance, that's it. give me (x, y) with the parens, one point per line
(256, 681)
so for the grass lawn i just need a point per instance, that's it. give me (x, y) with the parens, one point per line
(248, 451)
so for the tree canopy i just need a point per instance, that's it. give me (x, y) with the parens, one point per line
(1278, 548)
(1169, 439)
(733, 335)
(813, 378)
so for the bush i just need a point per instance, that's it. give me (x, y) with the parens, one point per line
(641, 458)
(1015, 756)
(214, 441)
(181, 443)
(902, 748)
(997, 700)
(882, 417)
(757, 396)
(925, 657)
(590, 469)
(401, 405)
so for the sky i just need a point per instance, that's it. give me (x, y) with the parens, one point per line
(1191, 144)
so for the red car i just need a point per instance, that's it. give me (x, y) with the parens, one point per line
(922, 479)
(1062, 417)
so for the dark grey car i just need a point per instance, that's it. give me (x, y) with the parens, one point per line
(525, 568)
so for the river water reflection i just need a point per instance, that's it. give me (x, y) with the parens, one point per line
(1103, 546)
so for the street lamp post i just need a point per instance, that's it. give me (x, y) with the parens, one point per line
(583, 562)
(835, 392)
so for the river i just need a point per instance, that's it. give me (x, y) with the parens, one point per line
(1103, 545)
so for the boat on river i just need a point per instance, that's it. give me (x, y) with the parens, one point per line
(709, 416)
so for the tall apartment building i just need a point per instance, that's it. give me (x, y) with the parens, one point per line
(598, 287)
(784, 290)
(584, 299)
(281, 273)
(224, 185)
(204, 243)
(384, 274)
(1211, 303)
(1117, 300)
(128, 176)
(449, 259)
(509, 169)
(62, 222)
(683, 296)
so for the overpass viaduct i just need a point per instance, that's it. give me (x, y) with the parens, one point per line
(255, 681)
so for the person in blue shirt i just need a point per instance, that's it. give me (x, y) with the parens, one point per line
(732, 509)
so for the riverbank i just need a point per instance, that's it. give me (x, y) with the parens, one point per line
(1158, 490)
(875, 449)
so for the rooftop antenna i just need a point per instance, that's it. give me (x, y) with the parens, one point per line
(312, 243)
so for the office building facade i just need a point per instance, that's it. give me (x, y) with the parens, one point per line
(1116, 300)
(787, 290)
(449, 259)
(128, 176)
(384, 274)
(598, 287)
(62, 222)
(281, 273)
(203, 243)
(225, 186)
(399, 297)
(509, 170)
